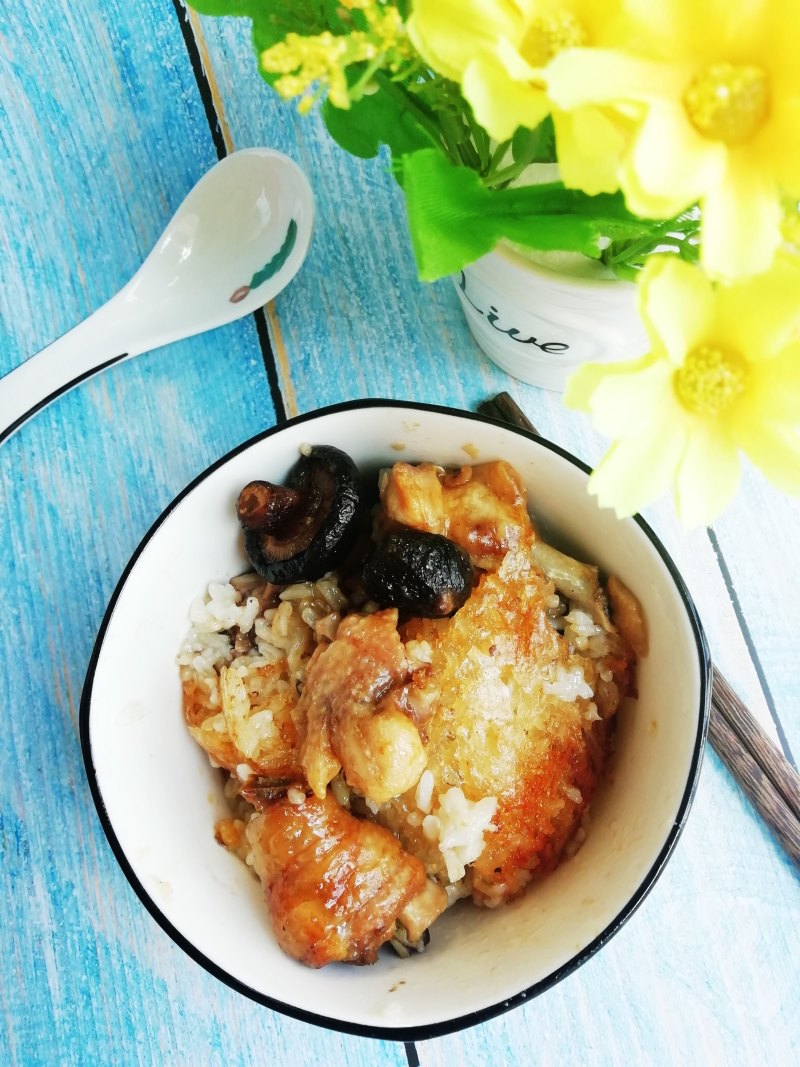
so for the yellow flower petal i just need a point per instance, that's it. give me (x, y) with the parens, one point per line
(582, 383)
(776, 450)
(760, 315)
(448, 34)
(518, 68)
(676, 303)
(629, 405)
(708, 474)
(501, 104)
(604, 76)
(637, 471)
(775, 392)
(742, 215)
(670, 165)
(707, 31)
(779, 145)
(591, 143)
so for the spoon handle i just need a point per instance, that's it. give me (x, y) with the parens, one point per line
(90, 347)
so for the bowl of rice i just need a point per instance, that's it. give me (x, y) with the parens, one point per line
(185, 797)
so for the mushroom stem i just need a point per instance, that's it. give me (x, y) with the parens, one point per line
(264, 506)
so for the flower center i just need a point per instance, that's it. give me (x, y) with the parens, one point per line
(549, 34)
(711, 379)
(728, 102)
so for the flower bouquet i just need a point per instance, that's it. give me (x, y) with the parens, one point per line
(673, 134)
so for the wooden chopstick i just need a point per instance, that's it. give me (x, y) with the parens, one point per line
(749, 772)
(768, 779)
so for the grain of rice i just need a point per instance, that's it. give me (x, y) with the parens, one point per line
(568, 684)
(431, 827)
(341, 791)
(248, 613)
(329, 588)
(458, 826)
(419, 653)
(424, 793)
(591, 714)
(298, 591)
(326, 627)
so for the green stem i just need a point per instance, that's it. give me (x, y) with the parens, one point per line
(622, 257)
(453, 133)
(356, 90)
(417, 108)
(506, 174)
(481, 141)
(498, 155)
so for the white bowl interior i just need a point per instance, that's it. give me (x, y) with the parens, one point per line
(162, 797)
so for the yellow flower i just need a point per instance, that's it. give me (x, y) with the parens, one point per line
(321, 59)
(719, 82)
(496, 50)
(722, 378)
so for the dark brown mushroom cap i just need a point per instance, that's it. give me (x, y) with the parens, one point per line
(300, 531)
(419, 573)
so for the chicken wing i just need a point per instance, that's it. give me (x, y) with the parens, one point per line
(522, 717)
(335, 885)
(482, 508)
(349, 716)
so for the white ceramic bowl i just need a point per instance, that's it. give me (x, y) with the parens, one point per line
(158, 797)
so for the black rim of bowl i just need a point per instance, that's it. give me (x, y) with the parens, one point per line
(462, 1022)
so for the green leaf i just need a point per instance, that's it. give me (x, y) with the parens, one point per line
(273, 19)
(224, 7)
(534, 146)
(383, 117)
(454, 219)
(301, 16)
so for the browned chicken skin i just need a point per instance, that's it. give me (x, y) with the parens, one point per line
(335, 885)
(501, 728)
(482, 508)
(347, 724)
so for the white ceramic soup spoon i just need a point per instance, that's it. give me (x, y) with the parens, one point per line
(235, 242)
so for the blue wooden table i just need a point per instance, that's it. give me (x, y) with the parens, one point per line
(110, 112)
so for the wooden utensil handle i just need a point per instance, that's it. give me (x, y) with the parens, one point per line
(781, 774)
(757, 784)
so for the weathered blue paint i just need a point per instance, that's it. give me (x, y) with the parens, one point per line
(104, 131)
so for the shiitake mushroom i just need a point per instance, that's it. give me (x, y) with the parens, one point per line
(299, 531)
(419, 573)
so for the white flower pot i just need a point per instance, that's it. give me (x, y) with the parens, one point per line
(539, 324)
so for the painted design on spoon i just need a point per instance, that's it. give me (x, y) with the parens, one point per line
(270, 268)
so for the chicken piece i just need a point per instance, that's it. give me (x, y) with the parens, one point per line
(245, 717)
(522, 717)
(482, 508)
(413, 496)
(628, 615)
(335, 885)
(423, 910)
(351, 718)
